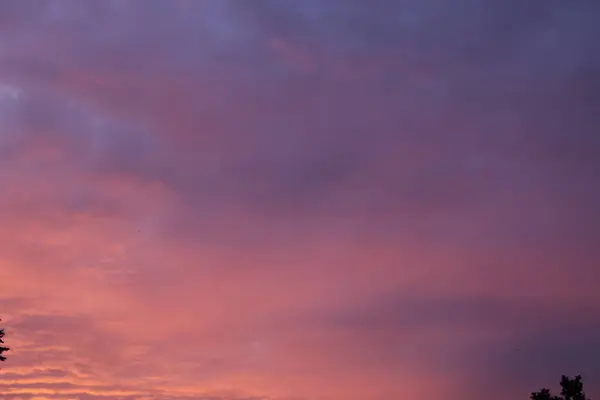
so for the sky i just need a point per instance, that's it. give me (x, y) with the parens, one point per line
(298, 200)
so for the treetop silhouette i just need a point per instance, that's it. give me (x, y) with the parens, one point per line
(571, 389)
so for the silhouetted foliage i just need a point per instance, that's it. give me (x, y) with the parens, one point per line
(2, 348)
(571, 389)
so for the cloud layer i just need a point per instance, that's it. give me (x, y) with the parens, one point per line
(298, 200)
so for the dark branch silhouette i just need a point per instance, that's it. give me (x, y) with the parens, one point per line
(2, 348)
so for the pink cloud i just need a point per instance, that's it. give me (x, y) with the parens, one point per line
(194, 205)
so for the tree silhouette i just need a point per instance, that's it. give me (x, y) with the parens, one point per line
(2, 348)
(571, 389)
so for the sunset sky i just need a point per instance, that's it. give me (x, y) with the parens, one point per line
(299, 199)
